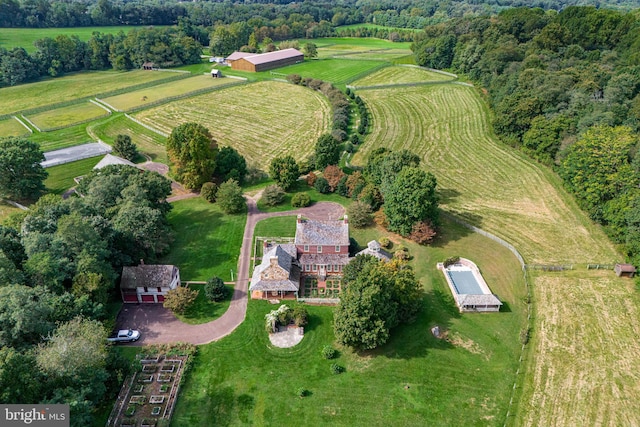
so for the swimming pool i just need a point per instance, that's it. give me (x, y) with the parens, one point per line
(465, 282)
(470, 291)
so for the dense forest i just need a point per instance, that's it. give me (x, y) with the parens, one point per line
(565, 88)
(401, 13)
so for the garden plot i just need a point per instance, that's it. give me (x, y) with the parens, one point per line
(261, 120)
(67, 116)
(154, 94)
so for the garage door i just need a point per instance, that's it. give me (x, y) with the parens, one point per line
(130, 298)
(160, 298)
(148, 298)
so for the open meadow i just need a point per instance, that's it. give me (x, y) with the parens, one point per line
(401, 75)
(415, 378)
(25, 37)
(261, 120)
(337, 71)
(12, 127)
(582, 362)
(72, 86)
(138, 98)
(67, 116)
(148, 142)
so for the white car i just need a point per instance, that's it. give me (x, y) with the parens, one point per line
(125, 335)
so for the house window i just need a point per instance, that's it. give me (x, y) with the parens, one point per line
(319, 249)
(306, 248)
(315, 267)
(159, 289)
(336, 268)
(337, 248)
(307, 267)
(329, 267)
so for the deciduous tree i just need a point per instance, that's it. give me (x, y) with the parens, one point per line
(284, 171)
(21, 175)
(327, 151)
(230, 197)
(411, 198)
(124, 147)
(193, 152)
(180, 299)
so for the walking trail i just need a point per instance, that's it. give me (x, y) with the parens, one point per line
(158, 325)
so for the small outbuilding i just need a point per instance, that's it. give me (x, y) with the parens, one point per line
(216, 74)
(374, 249)
(148, 283)
(624, 270)
(149, 66)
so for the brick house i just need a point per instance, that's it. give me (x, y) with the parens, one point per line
(319, 253)
(148, 283)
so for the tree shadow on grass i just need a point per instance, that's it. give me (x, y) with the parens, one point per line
(450, 230)
(223, 406)
(415, 340)
(447, 195)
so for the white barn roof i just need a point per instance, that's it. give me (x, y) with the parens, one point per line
(110, 159)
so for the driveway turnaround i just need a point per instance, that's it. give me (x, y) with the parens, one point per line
(71, 154)
(158, 325)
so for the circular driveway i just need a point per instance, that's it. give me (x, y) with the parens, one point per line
(158, 325)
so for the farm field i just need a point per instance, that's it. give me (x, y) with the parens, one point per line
(415, 377)
(486, 182)
(11, 127)
(25, 37)
(67, 116)
(350, 43)
(148, 142)
(61, 138)
(392, 55)
(207, 242)
(401, 75)
(72, 86)
(582, 360)
(60, 177)
(261, 120)
(337, 71)
(137, 98)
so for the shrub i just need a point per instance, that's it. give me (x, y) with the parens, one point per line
(333, 174)
(294, 78)
(328, 352)
(402, 253)
(359, 214)
(230, 197)
(422, 232)
(385, 242)
(311, 179)
(339, 135)
(273, 195)
(300, 200)
(209, 191)
(322, 186)
(125, 148)
(300, 316)
(336, 369)
(450, 261)
(348, 147)
(180, 299)
(302, 392)
(342, 188)
(215, 290)
(380, 218)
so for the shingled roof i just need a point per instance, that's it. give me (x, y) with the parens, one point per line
(282, 256)
(374, 249)
(484, 299)
(330, 233)
(147, 275)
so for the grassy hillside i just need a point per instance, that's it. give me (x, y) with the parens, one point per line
(261, 120)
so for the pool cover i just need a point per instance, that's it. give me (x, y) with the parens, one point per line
(465, 282)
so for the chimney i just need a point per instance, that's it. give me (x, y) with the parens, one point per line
(346, 219)
(273, 261)
(299, 218)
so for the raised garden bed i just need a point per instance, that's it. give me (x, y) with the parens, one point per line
(164, 378)
(149, 369)
(128, 423)
(130, 410)
(148, 423)
(156, 399)
(137, 399)
(156, 410)
(145, 378)
(149, 359)
(138, 389)
(168, 368)
(164, 388)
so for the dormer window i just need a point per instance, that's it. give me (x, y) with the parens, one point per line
(319, 249)
(306, 248)
(337, 248)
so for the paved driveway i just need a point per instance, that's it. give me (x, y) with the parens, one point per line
(71, 154)
(158, 325)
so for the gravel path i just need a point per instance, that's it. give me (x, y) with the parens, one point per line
(158, 325)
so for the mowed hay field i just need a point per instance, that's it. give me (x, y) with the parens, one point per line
(260, 120)
(401, 75)
(134, 99)
(12, 127)
(582, 366)
(66, 88)
(148, 142)
(488, 183)
(67, 116)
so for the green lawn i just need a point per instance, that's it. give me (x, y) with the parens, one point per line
(415, 378)
(148, 142)
(67, 116)
(6, 210)
(61, 138)
(280, 226)
(302, 187)
(203, 310)
(60, 177)
(207, 242)
(25, 37)
(337, 71)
